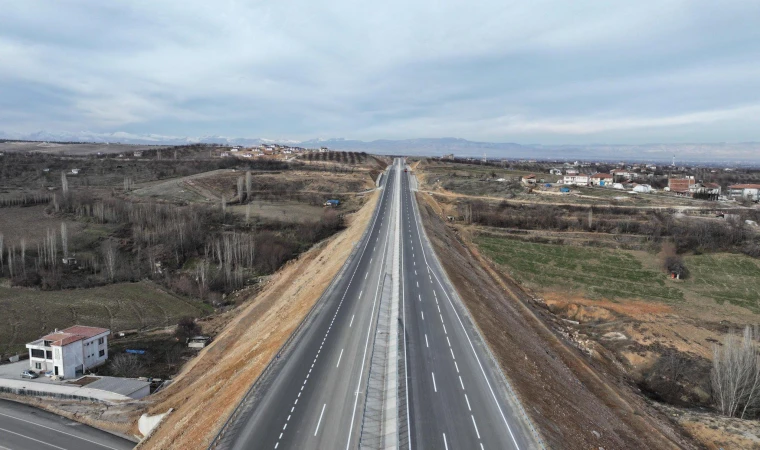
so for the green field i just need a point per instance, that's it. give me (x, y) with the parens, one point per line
(28, 314)
(620, 274)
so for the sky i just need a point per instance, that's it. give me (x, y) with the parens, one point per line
(539, 71)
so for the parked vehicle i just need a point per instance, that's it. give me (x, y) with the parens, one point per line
(29, 374)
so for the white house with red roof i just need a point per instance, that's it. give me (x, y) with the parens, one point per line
(601, 179)
(69, 352)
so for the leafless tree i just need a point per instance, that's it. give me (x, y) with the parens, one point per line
(736, 375)
(64, 240)
(126, 365)
(248, 185)
(64, 184)
(1, 252)
(110, 259)
(240, 193)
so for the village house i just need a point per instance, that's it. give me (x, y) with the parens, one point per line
(745, 191)
(579, 179)
(681, 186)
(529, 179)
(70, 352)
(600, 179)
(621, 174)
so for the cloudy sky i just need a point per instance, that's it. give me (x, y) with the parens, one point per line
(539, 71)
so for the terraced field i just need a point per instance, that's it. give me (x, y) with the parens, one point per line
(27, 314)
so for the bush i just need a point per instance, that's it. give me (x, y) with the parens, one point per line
(186, 328)
(675, 265)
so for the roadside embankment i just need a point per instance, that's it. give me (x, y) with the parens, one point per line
(574, 403)
(209, 387)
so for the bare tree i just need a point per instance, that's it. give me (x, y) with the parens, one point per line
(240, 193)
(64, 240)
(248, 185)
(1, 252)
(736, 375)
(126, 365)
(110, 259)
(64, 184)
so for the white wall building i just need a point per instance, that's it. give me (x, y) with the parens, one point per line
(70, 352)
(582, 180)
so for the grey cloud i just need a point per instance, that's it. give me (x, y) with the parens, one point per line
(544, 71)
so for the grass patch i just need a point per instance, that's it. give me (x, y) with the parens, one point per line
(619, 274)
(597, 272)
(28, 314)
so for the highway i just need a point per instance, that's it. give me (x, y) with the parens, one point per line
(314, 395)
(457, 396)
(23, 427)
(310, 399)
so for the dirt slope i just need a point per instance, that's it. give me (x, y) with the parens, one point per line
(211, 385)
(574, 403)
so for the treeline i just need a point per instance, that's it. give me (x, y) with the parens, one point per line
(341, 157)
(26, 200)
(688, 234)
(194, 250)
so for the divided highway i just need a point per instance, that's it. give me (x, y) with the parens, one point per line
(455, 396)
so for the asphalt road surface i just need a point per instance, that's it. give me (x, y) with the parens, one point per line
(458, 398)
(313, 397)
(23, 427)
(310, 399)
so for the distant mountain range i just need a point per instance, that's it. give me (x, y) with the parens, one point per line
(745, 152)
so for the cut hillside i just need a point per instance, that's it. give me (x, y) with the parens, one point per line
(571, 398)
(208, 389)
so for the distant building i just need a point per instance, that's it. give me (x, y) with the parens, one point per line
(137, 154)
(555, 171)
(450, 156)
(745, 191)
(529, 179)
(600, 179)
(70, 352)
(681, 186)
(577, 180)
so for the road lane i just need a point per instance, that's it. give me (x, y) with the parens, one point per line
(465, 404)
(313, 396)
(23, 427)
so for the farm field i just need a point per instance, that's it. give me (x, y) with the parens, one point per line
(285, 211)
(28, 314)
(621, 274)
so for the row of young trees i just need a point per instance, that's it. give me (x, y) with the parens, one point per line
(196, 250)
(342, 157)
(688, 234)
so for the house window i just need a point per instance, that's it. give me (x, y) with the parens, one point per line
(38, 366)
(37, 353)
(101, 340)
(57, 353)
(48, 354)
(47, 343)
(101, 353)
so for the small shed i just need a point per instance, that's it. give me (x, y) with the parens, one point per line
(198, 341)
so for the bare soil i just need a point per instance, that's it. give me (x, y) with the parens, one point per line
(576, 401)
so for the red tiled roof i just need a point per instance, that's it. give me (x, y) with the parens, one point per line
(73, 334)
(529, 176)
(745, 186)
(601, 175)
